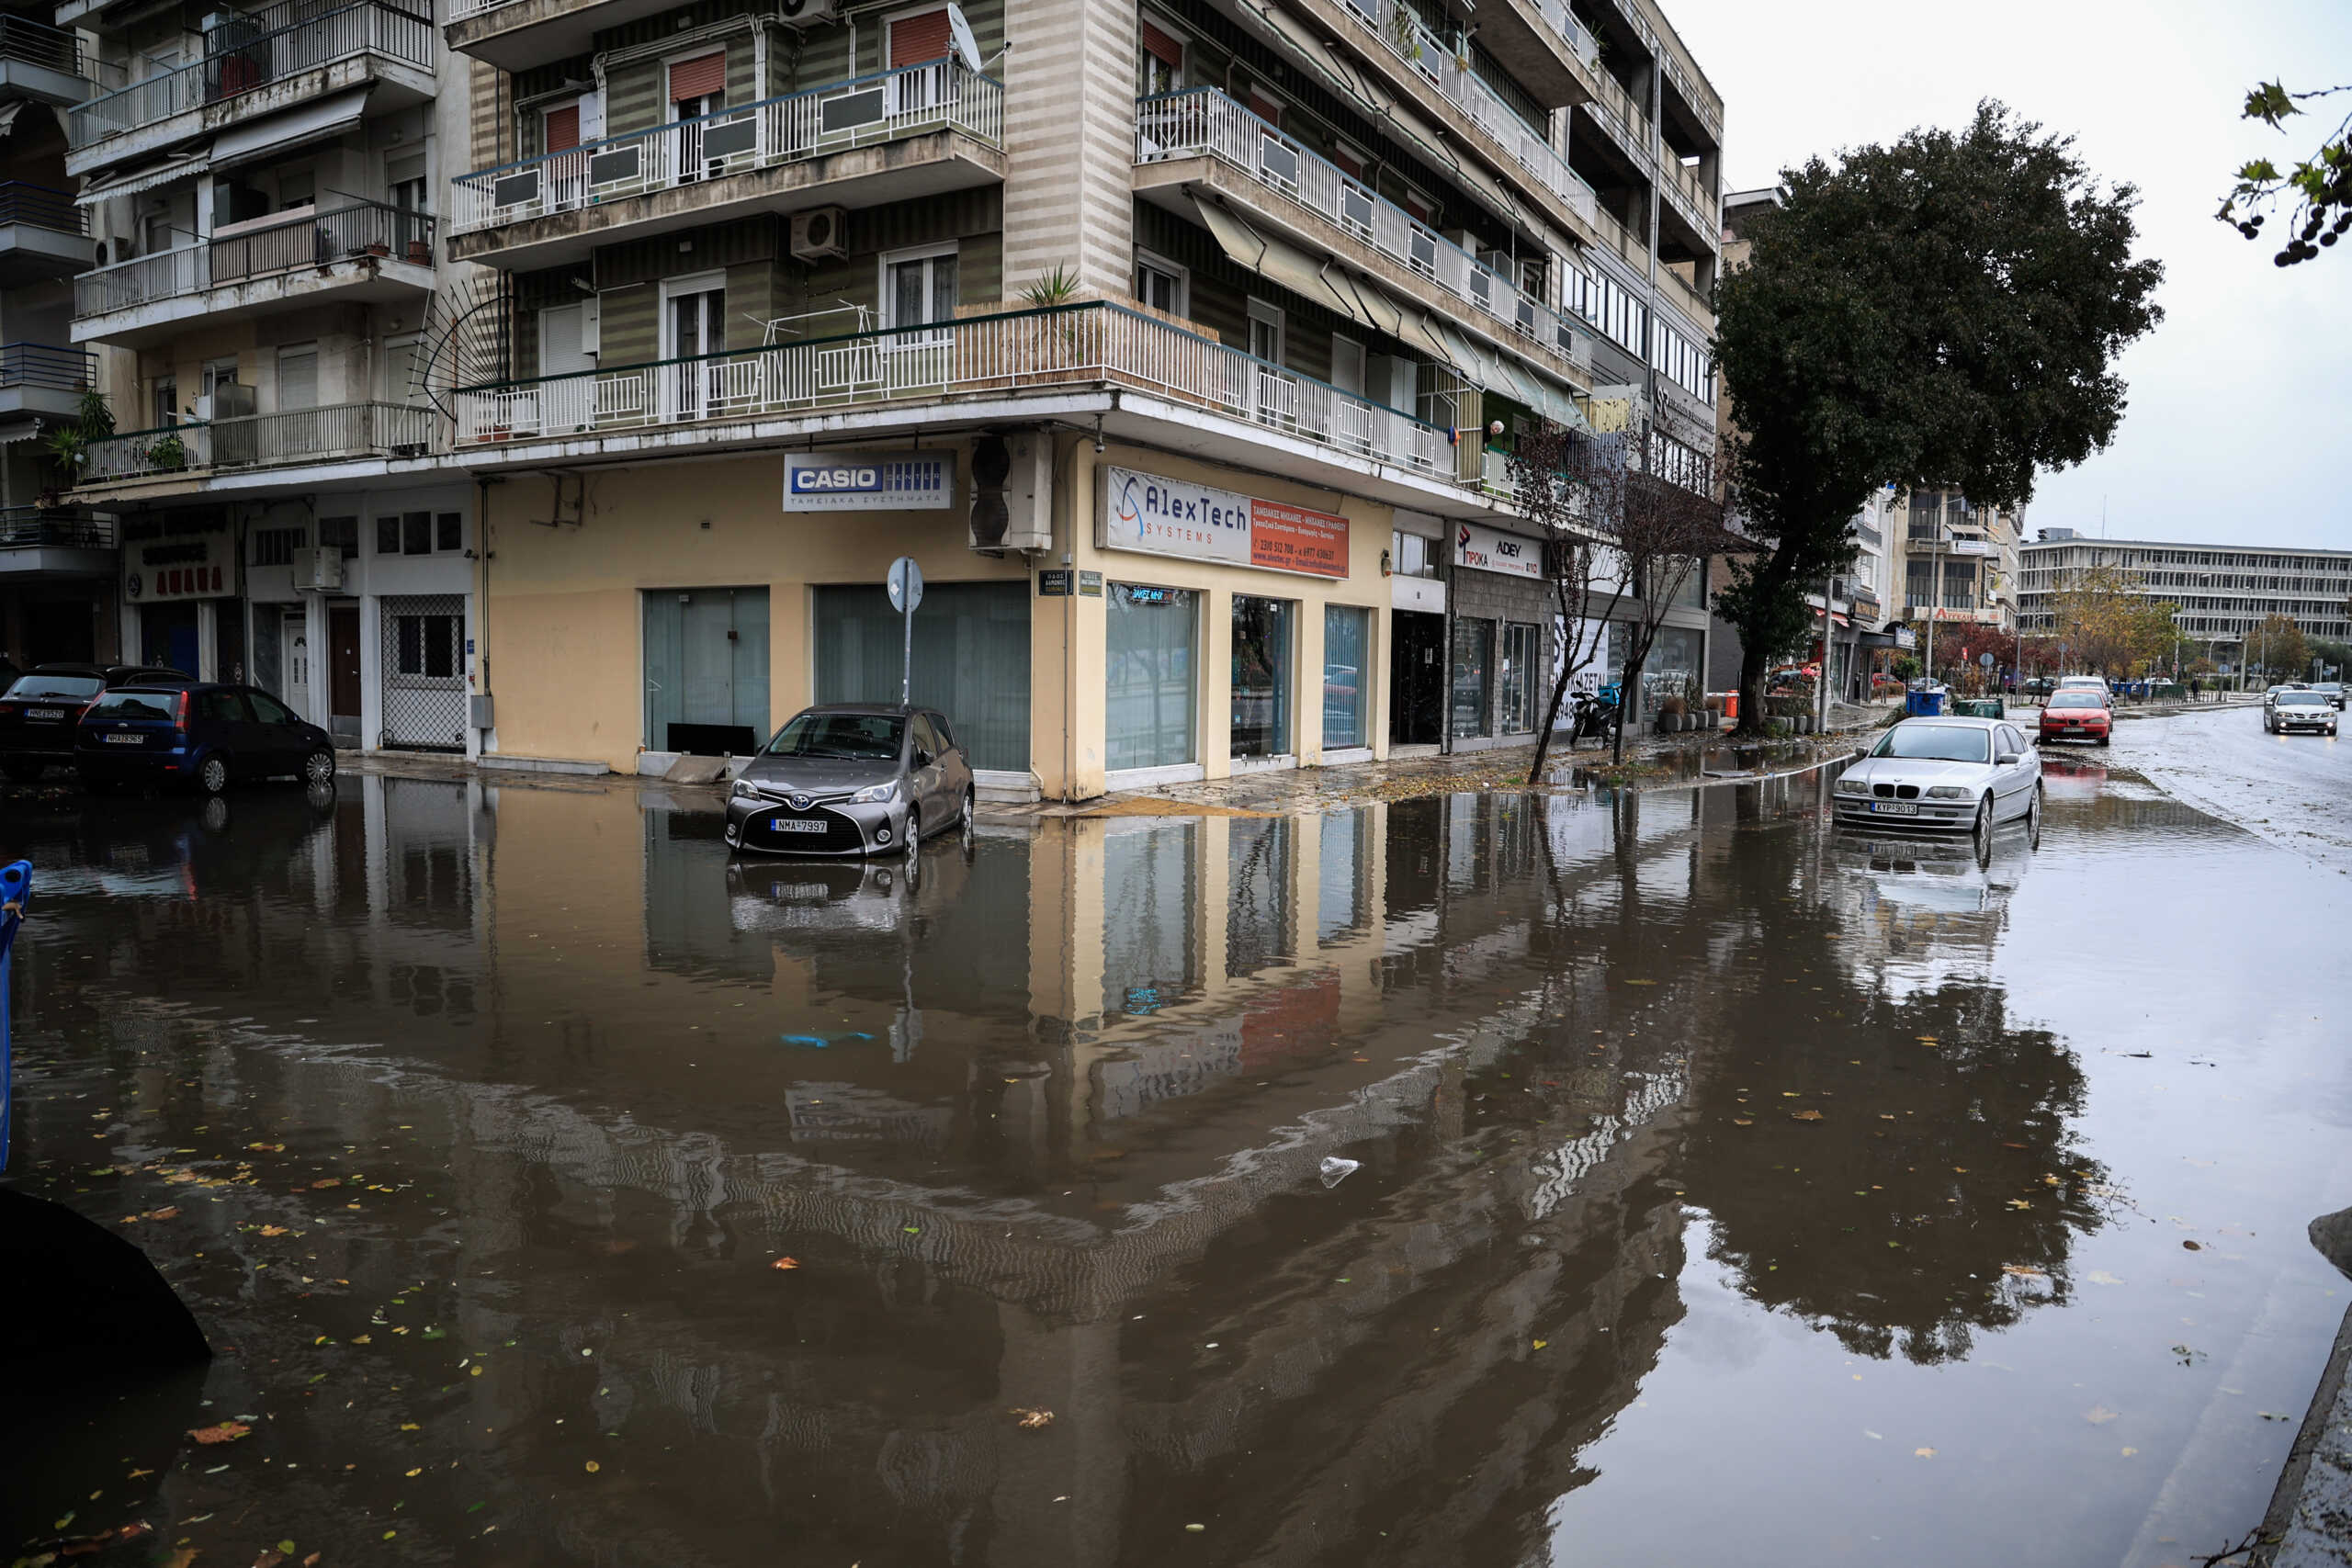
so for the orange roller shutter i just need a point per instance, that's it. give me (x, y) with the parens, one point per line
(704, 76)
(563, 129)
(1159, 45)
(914, 40)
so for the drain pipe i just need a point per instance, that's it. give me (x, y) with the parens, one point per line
(482, 604)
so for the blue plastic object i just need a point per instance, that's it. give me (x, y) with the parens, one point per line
(15, 888)
(1923, 705)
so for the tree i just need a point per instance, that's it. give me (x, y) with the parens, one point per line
(1552, 473)
(2108, 623)
(2278, 648)
(1942, 310)
(2337, 656)
(1667, 523)
(2321, 185)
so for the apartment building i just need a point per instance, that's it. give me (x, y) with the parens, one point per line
(526, 368)
(1959, 560)
(2222, 590)
(56, 562)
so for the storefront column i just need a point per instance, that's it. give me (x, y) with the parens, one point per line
(208, 634)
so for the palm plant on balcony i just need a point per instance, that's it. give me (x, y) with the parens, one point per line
(69, 443)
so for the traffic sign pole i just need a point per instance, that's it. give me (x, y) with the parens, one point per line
(906, 592)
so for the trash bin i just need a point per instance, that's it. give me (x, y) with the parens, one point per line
(1923, 705)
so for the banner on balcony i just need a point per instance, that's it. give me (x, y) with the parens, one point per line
(1490, 549)
(1177, 517)
(869, 481)
(184, 566)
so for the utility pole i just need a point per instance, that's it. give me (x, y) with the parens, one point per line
(1935, 594)
(1828, 644)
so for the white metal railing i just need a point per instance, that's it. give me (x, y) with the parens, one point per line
(294, 435)
(465, 10)
(862, 110)
(1575, 34)
(1201, 121)
(163, 276)
(1015, 351)
(1400, 31)
(313, 240)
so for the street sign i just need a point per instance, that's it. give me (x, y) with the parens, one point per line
(906, 585)
(1985, 659)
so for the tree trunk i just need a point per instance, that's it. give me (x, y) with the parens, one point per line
(1550, 719)
(1751, 690)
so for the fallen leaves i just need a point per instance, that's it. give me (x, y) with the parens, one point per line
(1924, 1453)
(592, 1467)
(226, 1432)
(785, 1263)
(1030, 1420)
(1805, 1116)
(169, 1211)
(2024, 1271)
(2100, 1414)
(2193, 1246)
(272, 1230)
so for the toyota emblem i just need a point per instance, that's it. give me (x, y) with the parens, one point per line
(801, 803)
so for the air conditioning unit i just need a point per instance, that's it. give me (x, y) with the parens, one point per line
(819, 234)
(318, 568)
(1013, 492)
(808, 13)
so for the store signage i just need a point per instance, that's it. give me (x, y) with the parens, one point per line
(1054, 583)
(1906, 637)
(1090, 585)
(1176, 517)
(869, 481)
(1489, 549)
(183, 566)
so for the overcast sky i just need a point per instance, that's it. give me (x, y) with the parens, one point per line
(2240, 424)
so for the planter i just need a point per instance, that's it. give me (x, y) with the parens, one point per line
(379, 248)
(420, 253)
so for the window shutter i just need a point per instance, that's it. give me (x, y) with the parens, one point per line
(914, 40)
(563, 129)
(1159, 45)
(1264, 108)
(705, 76)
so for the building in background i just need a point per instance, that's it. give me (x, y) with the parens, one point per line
(2223, 592)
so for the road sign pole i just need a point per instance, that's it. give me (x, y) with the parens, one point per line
(906, 592)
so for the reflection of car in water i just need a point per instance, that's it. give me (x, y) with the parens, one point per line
(1945, 876)
(817, 896)
(166, 846)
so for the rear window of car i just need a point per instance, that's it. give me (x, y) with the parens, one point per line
(2077, 700)
(65, 688)
(1937, 742)
(135, 705)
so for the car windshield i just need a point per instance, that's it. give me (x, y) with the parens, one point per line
(2303, 700)
(842, 736)
(1936, 742)
(135, 705)
(67, 688)
(2076, 700)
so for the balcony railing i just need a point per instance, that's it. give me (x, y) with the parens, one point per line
(38, 207)
(1204, 122)
(1580, 40)
(58, 527)
(1399, 28)
(312, 239)
(296, 435)
(53, 369)
(1015, 351)
(38, 44)
(237, 62)
(863, 110)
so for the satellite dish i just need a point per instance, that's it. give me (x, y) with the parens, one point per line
(967, 49)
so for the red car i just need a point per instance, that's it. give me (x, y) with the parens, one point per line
(2077, 715)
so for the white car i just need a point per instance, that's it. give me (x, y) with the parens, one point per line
(2084, 683)
(2299, 710)
(1942, 772)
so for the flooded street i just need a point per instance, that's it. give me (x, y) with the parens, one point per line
(1727, 1188)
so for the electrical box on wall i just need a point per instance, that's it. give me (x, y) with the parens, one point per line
(1013, 492)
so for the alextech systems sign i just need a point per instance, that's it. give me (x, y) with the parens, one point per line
(1489, 549)
(869, 481)
(1177, 517)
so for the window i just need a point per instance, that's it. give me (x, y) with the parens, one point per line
(1347, 365)
(1160, 62)
(269, 709)
(425, 646)
(1410, 555)
(297, 189)
(694, 323)
(1473, 655)
(166, 408)
(404, 181)
(340, 534)
(1266, 331)
(1159, 284)
(297, 377)
(1151, 668)
(387, 536)
(1262, 667)
(416, 533)
(560, 127)
(276, 547)
(225, 708)
(919, 289)
(1347, 674)
(918, 37)
(1520, 645)
(449, 531)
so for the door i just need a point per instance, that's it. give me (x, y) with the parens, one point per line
(698, 87)
(294, 642)
(295, 432)
(705, 670)
(1416, 678)
(343, 669)
(278, 743)
(694, 323)
(918, 291)
(918, 41)
(565, 404)
(168, 637)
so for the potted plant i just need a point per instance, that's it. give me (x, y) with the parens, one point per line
(168, 454)
(420, 251)
(69, 443)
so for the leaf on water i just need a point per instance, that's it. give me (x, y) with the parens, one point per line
(437, 1334)
(362, 1339)
(1924, 1453)
(2023, 1272)
(1742, 1121)
(1031, 1420)
(1805, 1116)
(2129, 1452)
(1641, 982)
(2021, 1203)
(287, 1546)
(1538, 1344)
(226, 1432)
(785, 1263)
(2100, 1414)
(272, 1230)
(592, 1467)
(2193, 1246)
(268, 1559)
(2101, 1277)
(410, 1426)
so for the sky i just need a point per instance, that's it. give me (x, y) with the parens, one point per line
(2240, 416)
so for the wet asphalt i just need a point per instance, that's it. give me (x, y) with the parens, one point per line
(1727, 1188)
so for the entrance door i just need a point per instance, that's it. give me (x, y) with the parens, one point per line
(706, 670)
(294, 635)
(693, 323)
(1416, 678)
(343, 669)
(168, 637)
(566, 404)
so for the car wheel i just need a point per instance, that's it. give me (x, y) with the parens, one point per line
(964, 819)
(914, 831)
(2105, 739)
(27, 772)
(317, 768)
(212, 775)
(1984, 823)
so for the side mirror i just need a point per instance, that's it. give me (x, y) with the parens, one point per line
(2008, 760)
(922, 758)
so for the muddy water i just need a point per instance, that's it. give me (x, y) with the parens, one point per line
(1727, 1190)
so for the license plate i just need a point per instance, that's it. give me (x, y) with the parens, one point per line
(796, 825)
(46, 715)
(1895, 808)
(127, 739)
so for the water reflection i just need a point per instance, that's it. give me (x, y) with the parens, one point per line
(1038, 1122)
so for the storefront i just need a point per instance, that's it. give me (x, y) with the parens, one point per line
(1418, 551)
(180, 588)
(1500, 645)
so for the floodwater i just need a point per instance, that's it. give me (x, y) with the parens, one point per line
(1727, 1190)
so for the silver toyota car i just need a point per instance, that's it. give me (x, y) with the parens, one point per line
(852, 779)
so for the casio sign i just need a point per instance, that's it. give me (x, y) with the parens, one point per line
(836, 479)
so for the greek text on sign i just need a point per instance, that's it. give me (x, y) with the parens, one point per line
(1177, 517)
(184, 566)
(1489, 549)
(869, 481)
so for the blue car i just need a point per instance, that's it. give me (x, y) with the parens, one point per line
(202, 736)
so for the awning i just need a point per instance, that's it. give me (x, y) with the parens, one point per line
(163, 174)
(9, 112)
(1283, 262)
(15, 430)
(296, 128)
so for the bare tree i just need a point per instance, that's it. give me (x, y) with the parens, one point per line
(1561, 486)
(1670, 523)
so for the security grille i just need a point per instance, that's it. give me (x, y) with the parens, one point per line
(422, 658)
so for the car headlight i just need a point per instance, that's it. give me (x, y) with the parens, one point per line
(745, 790)
(1853, 786)
(876, 794)
(1945, 792)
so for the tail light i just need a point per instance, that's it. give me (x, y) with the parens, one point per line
(180, 710)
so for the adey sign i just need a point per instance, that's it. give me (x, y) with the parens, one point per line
(1489, 549)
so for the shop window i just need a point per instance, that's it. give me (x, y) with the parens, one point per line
(425, 646)
(1520, 646)
(1258, 923)
(1262, 672)
(1347, 674)
(971, 659)
(1473, 658)
(1152, 673)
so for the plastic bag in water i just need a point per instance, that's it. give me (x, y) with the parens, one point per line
(1336, 1170)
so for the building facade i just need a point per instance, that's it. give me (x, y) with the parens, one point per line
(2222, 591)
(559, 383)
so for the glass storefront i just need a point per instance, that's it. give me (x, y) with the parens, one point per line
(1261, 676)
(1672, 667)
(1347, 648)
(1152, 669)
(971, 659)
(1520, 645)
(1474, 659)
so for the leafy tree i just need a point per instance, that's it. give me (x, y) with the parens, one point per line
(2108, 624)
(2321, 185)
(2278, 649)
(1943, 311)
(2336, 655)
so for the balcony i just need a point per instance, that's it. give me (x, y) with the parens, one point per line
(1023, 352)
(40, 63)
(1200, 139)
(337, 432)
(245, 77)
(42, 234)
(1551, 53)
(37, 378)
(56, 542)
(915, 131)
(365, 251)
(1629, 125)
(517, 34)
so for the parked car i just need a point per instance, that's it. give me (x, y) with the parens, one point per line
(2084, 683)
(40, 709)
(2333, 691)
(2040, 686)
(852, 779)
(1942, 772)
(2299, 710)
(2077, 715)
(200, 734)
